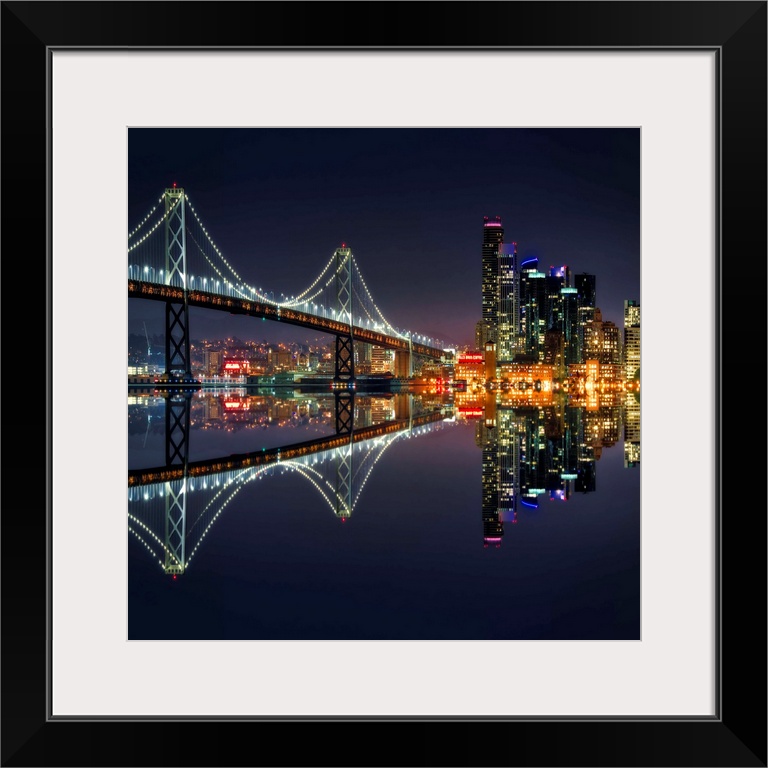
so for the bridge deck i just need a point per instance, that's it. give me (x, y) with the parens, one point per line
(238, 306)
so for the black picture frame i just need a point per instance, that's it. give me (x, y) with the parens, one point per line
(736, 736)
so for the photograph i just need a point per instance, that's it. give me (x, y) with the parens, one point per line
(384, 384)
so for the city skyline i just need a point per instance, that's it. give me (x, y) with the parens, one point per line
(409, 202)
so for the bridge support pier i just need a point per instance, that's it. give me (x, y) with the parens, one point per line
(344, 369)
(403, 363)
(177, 354)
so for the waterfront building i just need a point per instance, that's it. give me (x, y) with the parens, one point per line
(234, 368)
(279, 360)
(602, 340)
(382, 360)
(508, 309)
(490, 361)
(212, 362)
(470, 367)
(482, 334)
(631, 338)
(554, 350)
(362, 353)
(526, 375)
(533, 309)
(493, 237)
(586, 300)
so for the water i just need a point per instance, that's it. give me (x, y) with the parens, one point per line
(483, 521)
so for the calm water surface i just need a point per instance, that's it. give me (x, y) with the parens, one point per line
(477, 521)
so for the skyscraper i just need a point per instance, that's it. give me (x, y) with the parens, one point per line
(631, 338)
(493, 237)
(560, 318)
(602, 341)
(533, 314)
(508, 308)
(586, 298)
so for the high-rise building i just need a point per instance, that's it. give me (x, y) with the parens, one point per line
(561, 319)
(212, 362)
(482, 334)
(533, 309)
(602, 340)
(631, 338)
(569, 301)
(362, 352)
(382, 360)
(586, 301)
(493, 237)
(554, 351)
(508, 306)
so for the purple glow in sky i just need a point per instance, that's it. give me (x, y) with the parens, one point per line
(409, 202)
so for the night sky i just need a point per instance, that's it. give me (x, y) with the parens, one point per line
(408, 201)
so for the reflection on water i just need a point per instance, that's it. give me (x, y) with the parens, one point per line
(235, 502)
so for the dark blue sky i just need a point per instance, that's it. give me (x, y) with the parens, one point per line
(409, 201)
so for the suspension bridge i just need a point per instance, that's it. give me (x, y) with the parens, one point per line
(172, 258)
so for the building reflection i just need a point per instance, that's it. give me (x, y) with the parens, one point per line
(544, 447)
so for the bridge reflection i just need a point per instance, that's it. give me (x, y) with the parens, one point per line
(265, 456)
(172, 508)
(531, 451)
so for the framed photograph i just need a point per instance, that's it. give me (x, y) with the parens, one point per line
(603, 158)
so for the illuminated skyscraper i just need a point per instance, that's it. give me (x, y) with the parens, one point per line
(508, 308)
(561, 319)
(481, 334)
(533, 312)
(586, 299)
(631, 338)
(602, 340)
(493, 237)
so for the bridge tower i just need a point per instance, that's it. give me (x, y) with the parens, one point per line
(344, 369)
(177, 346)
